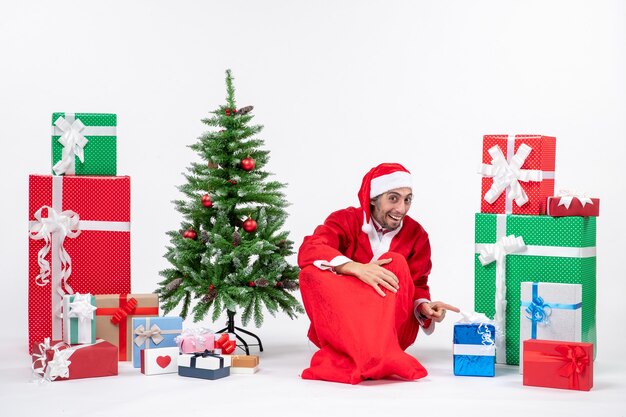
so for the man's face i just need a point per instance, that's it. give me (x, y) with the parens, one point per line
(388, 209)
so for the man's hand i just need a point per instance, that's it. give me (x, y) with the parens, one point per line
(373, 274)
(436, 310)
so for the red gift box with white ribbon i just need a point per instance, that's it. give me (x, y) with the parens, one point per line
(571, 203)
(518, 173)
(558, 364)
(79, 242)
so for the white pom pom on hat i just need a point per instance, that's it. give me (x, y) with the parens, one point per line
(380, 179)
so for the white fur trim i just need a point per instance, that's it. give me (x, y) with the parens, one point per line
(384, 183)
(367, 228)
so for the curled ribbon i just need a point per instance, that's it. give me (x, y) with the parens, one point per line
(497, 253)
(73, 143)
(576, 361)
(507, 174)
(123, 312)
(65, 224)
(567, 196)
(58, 367)
(143, 334)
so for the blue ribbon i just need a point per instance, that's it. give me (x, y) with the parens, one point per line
(538, 311)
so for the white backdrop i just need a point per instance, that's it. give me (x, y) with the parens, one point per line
(339, 87)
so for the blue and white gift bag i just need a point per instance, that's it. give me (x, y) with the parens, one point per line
(474, 346)
(550, 311)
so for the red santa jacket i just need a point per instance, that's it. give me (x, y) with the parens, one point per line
(341, 234)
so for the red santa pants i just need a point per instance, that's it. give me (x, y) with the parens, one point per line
(361, 335)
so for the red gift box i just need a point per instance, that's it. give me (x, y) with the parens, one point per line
(57, 361)
(558, 364)
(518, 173)
(79, 242)
(561, 206)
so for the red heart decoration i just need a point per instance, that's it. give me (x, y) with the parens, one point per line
(163, 361)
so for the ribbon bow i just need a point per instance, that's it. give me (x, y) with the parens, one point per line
(226, 343)
(73, 143)
(82, 308)
(576, 361)
(568, 195)
(508, 174)
(64, 224)
(497, 252)
(58, 367)
(123, 312)
(143, 334)
(538, 311)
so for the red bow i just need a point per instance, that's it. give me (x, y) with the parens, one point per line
(225, 343)
(123, 312)
(576, 361)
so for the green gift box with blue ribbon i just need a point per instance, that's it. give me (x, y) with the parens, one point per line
(84, 144)
(511, 249)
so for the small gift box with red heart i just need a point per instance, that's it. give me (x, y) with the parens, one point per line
(195, 340)
(159, 361)
(154, 332)
(569, 203)
(225, 344)
(558, 364)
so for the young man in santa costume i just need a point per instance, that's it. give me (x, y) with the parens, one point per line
(364, 284)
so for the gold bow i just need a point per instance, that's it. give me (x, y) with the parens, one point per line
(143, 334)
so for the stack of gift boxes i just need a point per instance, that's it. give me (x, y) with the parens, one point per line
(535, 264)
(82, 317)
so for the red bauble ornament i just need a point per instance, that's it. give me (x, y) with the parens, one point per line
(233, 182)
(234, 110)
(247, 164)
(211, 287)
(190, 234)
(249, 225)
(206, 201)
(227, 111)
(251, 284)
(279, 284)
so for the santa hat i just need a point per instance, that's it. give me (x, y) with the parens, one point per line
(378, 180)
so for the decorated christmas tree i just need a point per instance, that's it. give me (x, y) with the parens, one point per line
(230, 254)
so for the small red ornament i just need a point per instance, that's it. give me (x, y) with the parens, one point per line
(227, 111)
(249, 225)
(279, 284)
(233, 182)
(247, 164)
(251, 284)
(234, 110)
(190, 234)
(211, 287)
(206, 201)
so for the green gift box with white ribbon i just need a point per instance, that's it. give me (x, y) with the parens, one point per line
(79, 319)
(84, 144)
(511, 249)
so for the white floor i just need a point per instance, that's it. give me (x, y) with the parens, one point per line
(277, 389)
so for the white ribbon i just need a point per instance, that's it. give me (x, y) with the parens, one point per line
(80, 308)
(73, 143)
(568, 195)
(507, 174)
(497, 253)
(64, 224)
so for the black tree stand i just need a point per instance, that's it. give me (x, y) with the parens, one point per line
(230, 328)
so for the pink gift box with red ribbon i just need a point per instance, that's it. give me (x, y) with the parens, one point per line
(79, 243)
